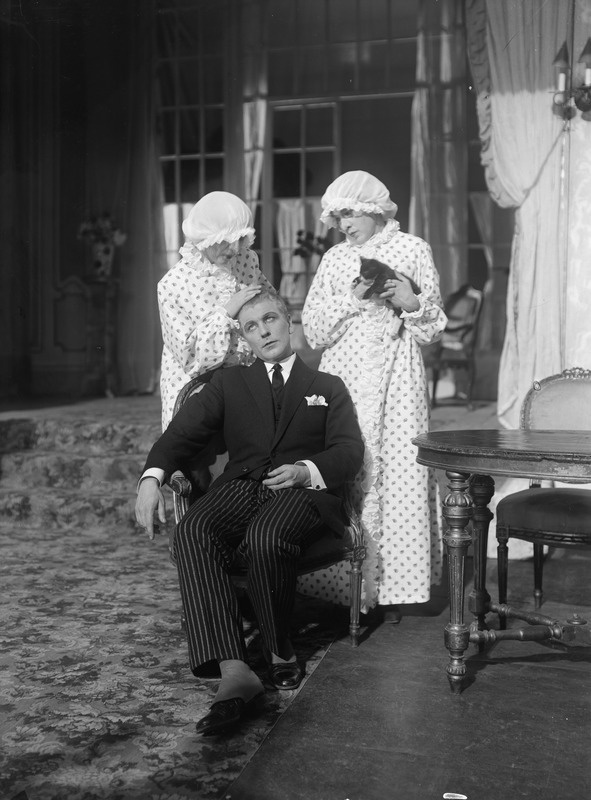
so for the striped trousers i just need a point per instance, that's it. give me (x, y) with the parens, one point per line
(268, 530)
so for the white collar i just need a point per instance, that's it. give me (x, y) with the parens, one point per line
(286, 365)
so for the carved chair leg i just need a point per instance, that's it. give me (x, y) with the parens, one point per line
(502, 568)
(355, 602)
(538, 573)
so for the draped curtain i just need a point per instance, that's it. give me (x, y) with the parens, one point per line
(124, 177)
(438, 151)
(538, 165)
(254, 122)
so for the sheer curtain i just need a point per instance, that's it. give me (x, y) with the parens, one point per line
(254, 122)
(291, 217)
(438, 151)
(540, 166)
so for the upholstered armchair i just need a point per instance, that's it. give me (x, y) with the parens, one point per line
(324, 552)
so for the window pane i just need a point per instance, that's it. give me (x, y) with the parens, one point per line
(168, 132)
(319, 173)
(187, 31)
(214, 130)
(214, 174)
(286, 175)
(166, 83)
(341, 68)
(190, 185)
(312, 71)
(402, 66)
(190, 142)
(190, 93)
(281, 73)
(311, 21)
(168, 178)
(373, 67)
(282, 22)
(373, 19)
(403, 18)
(342, 20)
(286, 127)
(213, 29)
(319, 125)
(213, 77)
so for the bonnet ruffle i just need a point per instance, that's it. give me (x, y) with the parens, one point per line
(218, 217)
(359, 192)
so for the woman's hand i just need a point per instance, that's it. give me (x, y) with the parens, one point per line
(400, 295)
(237, 300)
(360, 286)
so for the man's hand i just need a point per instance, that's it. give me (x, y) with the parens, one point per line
(149, 498)
(399, 293)
(288, 476)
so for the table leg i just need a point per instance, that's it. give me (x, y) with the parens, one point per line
(482, 488)
(457, 511)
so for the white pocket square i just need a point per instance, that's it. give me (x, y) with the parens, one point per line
(316, 400)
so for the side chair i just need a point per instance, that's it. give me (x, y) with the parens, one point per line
(554, 517)
(326, 551)
(456, 350)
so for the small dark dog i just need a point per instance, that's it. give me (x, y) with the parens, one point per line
(371, 269)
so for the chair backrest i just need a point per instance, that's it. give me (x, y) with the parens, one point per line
(559, 402)
(463, 309)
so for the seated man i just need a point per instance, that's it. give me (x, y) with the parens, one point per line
(293, 441)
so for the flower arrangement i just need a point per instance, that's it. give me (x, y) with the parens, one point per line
(104, 236)
(308, 245)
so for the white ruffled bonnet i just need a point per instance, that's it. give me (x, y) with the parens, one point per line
(359, 192)
(218, 217)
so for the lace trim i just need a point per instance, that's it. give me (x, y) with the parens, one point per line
(192, 258)
(370, 248)
(370, 407)
(223, 236)
(346, 204)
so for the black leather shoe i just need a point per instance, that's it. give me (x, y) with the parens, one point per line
(222, 716)
(226, 714)
(286, 675)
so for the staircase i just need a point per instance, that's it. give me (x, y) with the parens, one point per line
(76, 466)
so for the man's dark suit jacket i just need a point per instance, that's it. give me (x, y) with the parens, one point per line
(238, 401)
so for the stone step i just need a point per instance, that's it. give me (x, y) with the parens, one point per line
(26, 470)
(85, 436)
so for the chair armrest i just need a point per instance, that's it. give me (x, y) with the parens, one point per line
(180, 484)
(354, 526)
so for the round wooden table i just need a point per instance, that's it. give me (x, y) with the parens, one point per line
(469, 459)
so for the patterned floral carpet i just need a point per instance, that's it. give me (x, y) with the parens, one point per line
(97, 699)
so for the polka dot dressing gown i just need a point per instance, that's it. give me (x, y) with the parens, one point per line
(197, 331)
(377, 354)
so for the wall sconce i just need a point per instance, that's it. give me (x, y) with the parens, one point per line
(568, 97)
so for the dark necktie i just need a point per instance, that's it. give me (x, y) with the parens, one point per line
(278, 385)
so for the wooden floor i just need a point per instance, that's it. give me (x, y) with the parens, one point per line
(380, 723)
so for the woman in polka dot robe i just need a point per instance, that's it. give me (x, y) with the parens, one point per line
(374, 345)
(200, 297)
